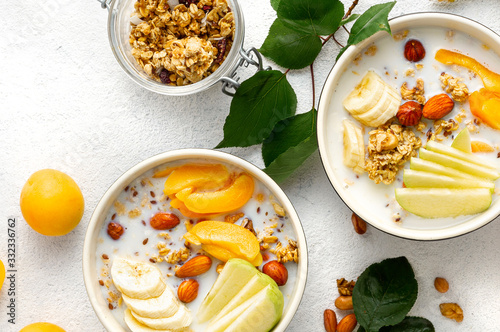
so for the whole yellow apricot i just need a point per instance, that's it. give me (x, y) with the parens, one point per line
(2, 274)
(42, 327)
(51, 202)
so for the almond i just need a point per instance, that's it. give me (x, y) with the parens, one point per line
(163, 220)
(194, 267)
(358, 223)
(344, 302)
(441, 285)
(330, 319)
(188, 290)
(347, 324)
(277, 272)
(438, 106)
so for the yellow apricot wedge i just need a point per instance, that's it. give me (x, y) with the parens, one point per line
(2, 274)
(212, 176)
(164, 172)
(485, 104)
(225, 240)
(490, 79)
(478, 146)
(220, 201)
(177, 204)
(225, 255)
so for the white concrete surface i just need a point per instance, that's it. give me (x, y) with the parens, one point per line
(66, 104)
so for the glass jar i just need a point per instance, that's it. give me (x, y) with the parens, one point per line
(118, 32)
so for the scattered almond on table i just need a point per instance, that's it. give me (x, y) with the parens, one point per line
(330, 319)
(359, 224)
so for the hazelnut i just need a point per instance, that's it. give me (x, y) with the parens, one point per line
(115, 230)
(410, 113)
(276, 271)
(414, 50)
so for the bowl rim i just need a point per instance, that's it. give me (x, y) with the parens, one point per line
(226, 68)
(88, 263)
(400, 22)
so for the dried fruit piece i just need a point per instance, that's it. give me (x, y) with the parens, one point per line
(115, 230)
(277, 272)
(344, 302)
(188, 290)
(410, 113)
(438, 106)
(484, 105)
(194, 267)
(441, 285)
(452, 311)
(164, 220)
(330, 320)
(414, 50)
(478, 146)
(358, 223)
(347, 324)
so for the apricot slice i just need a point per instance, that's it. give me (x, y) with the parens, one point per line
(485, 105)
(220, 201)
(490, 79)
(225, 240)
(225, 255)
(206, 177)
(164, 172)
(478, 146)
(177, 204)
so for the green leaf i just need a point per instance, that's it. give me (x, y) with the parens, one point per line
(275, 4)
(411, 324)
(351, 18)
(318, 17)
(342, 50)
(384, 293)
(258, 104)
(370, 22)
(289, 48)
(292, 141)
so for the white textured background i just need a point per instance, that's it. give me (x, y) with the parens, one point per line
(65, 103)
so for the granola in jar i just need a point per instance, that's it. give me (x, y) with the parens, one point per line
(181, 45)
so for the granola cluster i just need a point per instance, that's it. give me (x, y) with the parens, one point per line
(290, 253)
(416, 93)
(454, 86)
(181, 45)
(389, 147)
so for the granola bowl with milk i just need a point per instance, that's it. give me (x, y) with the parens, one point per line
(195, 240)
(407, 130)
(176, 47)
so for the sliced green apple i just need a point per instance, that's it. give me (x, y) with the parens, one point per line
(258, 282)
(462, 141)
(419, 179)
(233, 277)
(443, 202)
(455, 153)
(257, 314)
(459, 164)
(418, 164)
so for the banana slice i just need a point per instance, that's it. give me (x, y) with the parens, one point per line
(386, 108)
(165, 305)
(365, 95)
(137, 280)
(181, 319)
(136, 326)
(354, 148)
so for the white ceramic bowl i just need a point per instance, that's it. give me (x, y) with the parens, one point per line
(332, 157)
(97, 221)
